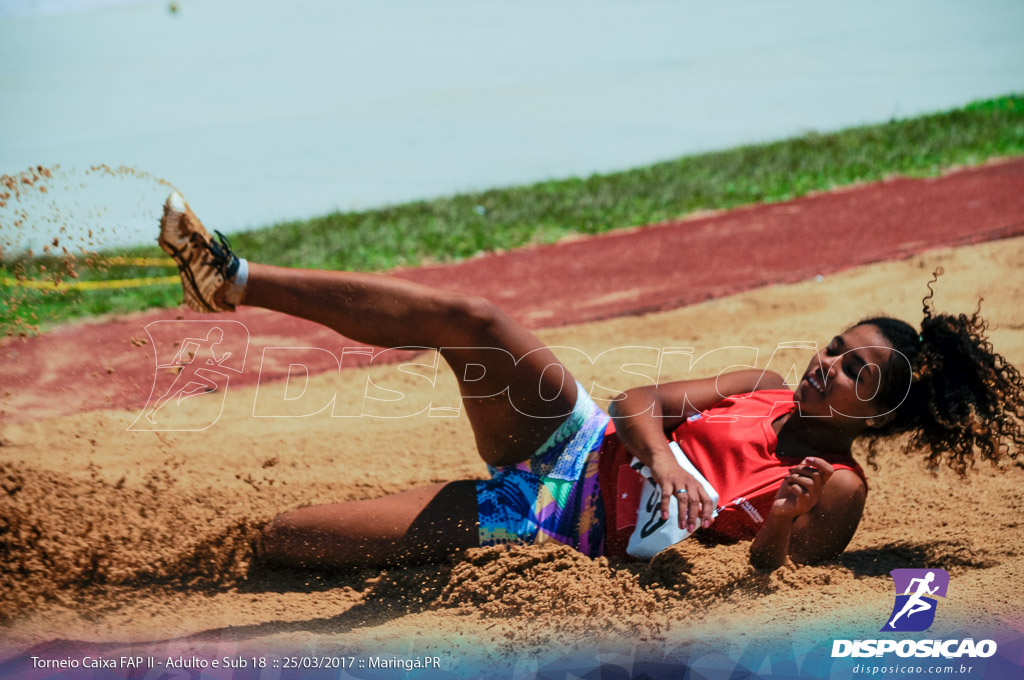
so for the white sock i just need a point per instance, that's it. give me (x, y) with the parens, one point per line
(241, 277)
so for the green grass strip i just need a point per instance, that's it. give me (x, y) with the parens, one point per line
(457, 227)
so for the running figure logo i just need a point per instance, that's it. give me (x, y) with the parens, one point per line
(193, 358)
(916, 590)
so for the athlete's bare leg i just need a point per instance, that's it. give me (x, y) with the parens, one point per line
(429, 523)
(412, 527)
(532, 391)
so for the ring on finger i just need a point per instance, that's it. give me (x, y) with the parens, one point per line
(680, 492)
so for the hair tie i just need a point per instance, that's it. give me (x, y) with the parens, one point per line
(920, 339)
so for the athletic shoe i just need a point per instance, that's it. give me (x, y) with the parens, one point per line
(207, 267)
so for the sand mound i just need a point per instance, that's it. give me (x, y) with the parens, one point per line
(60, 534)
(538, 581)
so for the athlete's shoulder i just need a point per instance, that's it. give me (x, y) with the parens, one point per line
(770, 380)
(749, 381)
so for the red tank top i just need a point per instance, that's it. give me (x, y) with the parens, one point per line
(733, 446)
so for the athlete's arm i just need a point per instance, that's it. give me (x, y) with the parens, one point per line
(643, 416)
(670, 404)
(813, 518)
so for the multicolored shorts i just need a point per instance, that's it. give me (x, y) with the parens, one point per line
(554, 495)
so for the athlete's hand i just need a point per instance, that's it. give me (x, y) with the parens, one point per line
(695, 506)
(802, 487)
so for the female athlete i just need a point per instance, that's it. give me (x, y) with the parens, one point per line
(779, 461)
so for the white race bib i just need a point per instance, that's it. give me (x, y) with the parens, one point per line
(652, 533)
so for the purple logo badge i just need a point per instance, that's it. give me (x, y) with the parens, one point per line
(916, 590)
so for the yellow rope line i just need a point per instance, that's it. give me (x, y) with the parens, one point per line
(113, 283)
(91, 285)
(139, 261)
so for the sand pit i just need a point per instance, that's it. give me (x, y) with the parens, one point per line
(113, 539)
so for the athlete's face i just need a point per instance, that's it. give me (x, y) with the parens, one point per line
(843, 379)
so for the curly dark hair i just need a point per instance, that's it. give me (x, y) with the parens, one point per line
(964, 400)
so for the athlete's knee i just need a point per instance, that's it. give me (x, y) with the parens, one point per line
(471, 318)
